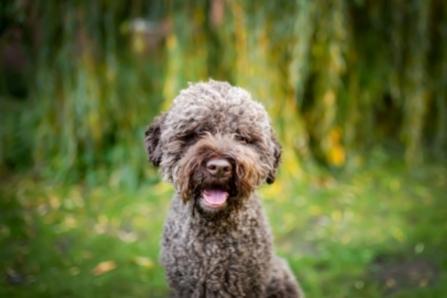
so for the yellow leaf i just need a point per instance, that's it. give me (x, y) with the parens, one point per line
(104, 267)
(337, 155)
(144, 262)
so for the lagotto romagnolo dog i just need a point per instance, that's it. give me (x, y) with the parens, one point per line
(216, 145)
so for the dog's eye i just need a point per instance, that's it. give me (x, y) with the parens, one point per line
(189, 137)
(244, 139)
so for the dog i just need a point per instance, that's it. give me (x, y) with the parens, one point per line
(216, 146)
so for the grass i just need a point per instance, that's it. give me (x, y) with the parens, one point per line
(374, 232)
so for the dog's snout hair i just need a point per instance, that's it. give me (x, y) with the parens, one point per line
(193, 171)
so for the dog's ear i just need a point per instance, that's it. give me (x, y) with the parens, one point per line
(277, 157)
(152, 140)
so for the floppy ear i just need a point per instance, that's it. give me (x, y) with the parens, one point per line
(277, 157)
(152, 140)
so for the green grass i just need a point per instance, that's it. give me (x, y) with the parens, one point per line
(374, 232)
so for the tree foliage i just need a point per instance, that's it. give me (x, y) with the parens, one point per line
(337, 77)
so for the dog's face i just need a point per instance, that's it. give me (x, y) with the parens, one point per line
(215, 145)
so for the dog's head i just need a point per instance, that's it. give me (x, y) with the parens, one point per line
(215, 144)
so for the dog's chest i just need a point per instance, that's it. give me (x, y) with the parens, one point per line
(206, 257)
(217, 250)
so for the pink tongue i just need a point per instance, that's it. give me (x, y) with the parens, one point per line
(215, 197)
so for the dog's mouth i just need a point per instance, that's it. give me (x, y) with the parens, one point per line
(217, 198)
(214, 198)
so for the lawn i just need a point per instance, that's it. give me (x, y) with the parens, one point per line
(379, 230)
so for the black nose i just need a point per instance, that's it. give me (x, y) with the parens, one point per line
(219, 167)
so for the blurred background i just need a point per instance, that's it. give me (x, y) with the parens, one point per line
(357, 92)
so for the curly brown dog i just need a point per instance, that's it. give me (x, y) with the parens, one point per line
(216, 146)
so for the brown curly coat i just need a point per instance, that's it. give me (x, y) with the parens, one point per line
(225, 252)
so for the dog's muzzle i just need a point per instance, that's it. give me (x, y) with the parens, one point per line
(215, 195)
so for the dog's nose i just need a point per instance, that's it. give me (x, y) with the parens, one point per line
(219, 167)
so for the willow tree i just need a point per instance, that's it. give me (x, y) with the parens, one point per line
(336, 77)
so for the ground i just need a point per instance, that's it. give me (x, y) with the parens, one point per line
(374, 232)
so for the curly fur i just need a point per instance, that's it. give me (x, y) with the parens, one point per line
(226, 252)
